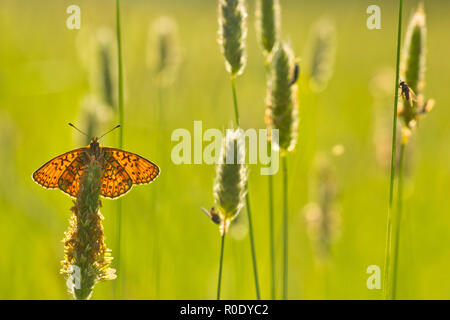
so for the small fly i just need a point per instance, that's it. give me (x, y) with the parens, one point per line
(407, 93)
(212, 214)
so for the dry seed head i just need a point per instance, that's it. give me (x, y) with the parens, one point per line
(232, 34)
(268, 24)
(94, 116)
(413, 64)
(322, 51)
(163, 51)
(98, 54)
(108, 79)
(322, 216)
(282, 108)
(86, 258)
(231, 178)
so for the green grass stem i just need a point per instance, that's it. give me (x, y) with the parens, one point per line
(398, 219)
(271, 215)
(236, 109)
(252, 244)
(272, 238)
(285, 228)
(118, 283)
(219, 282)
(387, 265)
(247, 199)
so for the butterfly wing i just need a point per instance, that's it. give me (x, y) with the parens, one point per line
(122, 169)
(49, 174)
(69, 182)
(139, 169)
(116, 180)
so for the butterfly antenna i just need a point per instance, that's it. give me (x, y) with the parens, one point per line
(118, 126)
(73, 126)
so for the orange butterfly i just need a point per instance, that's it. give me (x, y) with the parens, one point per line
(121, 170)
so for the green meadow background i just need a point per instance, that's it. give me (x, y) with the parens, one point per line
(170, 250)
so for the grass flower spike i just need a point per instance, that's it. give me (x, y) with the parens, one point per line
(322, 54)
(322, 216)
(163, 36)
(282, 109)
(413, 72)
(230, 187)
(107, 71)
(268, 24)
(94, 114)
(268, 33)
(232, 34)
(97, 52)
(231, 179)
(282, 115)
(87, 259)
(410, 110)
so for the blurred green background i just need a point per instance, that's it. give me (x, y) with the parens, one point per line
(170, 250)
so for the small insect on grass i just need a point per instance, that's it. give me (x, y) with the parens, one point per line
(230, 189)
(407, 93)
(86, 174)
(232, 35)
(268, 32)
(282, 114)
(412, 107)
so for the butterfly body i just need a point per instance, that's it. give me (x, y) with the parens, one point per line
(120, 170)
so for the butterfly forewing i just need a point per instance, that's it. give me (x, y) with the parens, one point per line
(49, 174)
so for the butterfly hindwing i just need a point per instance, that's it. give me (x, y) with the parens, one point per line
(139, 169)
(115, 181)
(49, 174)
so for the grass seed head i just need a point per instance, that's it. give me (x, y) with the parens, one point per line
(86, 258)
(232, 34)
(94, 115)
(268, 24)
(98, 53)
(231, 178)
(107, 67)
(322, 215)
(282, 108)
(414, 52)
(163, 52)
(322, 51)
(413, 71)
